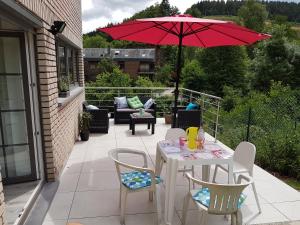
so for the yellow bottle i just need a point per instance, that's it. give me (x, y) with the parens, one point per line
(192, 133)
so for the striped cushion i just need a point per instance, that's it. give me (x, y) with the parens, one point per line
(203, 197)
(137, 179)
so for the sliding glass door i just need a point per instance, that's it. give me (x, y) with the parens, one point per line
(16, 145)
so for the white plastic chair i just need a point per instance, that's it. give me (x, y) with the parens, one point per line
(124, 190)
(173, 134)
(223, 199)
(243, 158)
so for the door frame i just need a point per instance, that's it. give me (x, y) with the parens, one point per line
(26, 89)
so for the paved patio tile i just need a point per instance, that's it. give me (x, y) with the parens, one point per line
(95, 204)
(289, 209)
(96, 198)
(60, 206)
(103, 180)
(55, 222)
(269, 214)
(68, 182)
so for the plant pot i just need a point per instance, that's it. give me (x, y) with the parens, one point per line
(85, 135)
(64, 94)
(168, 118)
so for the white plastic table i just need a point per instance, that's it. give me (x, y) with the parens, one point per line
(175, 160)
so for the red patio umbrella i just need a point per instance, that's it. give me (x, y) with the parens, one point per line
(184, 30)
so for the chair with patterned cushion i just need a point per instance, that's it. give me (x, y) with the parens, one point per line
(217, 199)
(135, 179)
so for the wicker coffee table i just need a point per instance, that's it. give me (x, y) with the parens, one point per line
(136, 118)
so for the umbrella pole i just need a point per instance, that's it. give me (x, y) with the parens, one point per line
(178, 71)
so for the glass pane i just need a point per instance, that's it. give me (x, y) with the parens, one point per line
(11, 92)
(10, 57)
(18, 161)
(2, 164)
(14, 127)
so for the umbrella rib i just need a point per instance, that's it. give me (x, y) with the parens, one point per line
(246, 42)
(237, 28)
(198, 30)
(196, 34)
(135, 32)
(167, 33)
(159, 26)
(188, 29)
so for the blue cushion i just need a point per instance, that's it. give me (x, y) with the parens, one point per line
(137, 179)
(121, 102)
(203, 197)
(192, 106)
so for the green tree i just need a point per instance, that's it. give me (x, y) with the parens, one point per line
(96, 41)
(225, 66)
(116, 78)
(193, 76)
(163, 73)
(165, 9)
(253, 15)
(274, 61)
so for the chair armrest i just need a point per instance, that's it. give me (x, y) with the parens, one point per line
(241, 177)
(130, 151)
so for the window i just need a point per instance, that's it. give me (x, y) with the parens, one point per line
(67, 67)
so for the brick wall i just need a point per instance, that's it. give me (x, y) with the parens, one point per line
(59, 124)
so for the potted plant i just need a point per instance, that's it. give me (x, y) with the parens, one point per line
(84, 125)
(167, 114)
(63, 87)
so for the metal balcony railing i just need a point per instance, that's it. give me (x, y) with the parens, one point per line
(164, 98)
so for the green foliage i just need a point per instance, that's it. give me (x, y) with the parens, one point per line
(193, 76)
(224, 66)
(276, 60)
(96, 41)
(84, 121)
(116, 78)
(193, 11)
(163, 74)
(272, 127)
(253, 15)
(146, 82)
(107, 65)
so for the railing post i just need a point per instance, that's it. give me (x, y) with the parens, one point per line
(217, 121)
(118, 92)
(191, 97)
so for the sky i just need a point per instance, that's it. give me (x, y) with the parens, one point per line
(98, 13)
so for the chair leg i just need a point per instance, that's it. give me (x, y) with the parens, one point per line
(150, 196)
(215, 174)
(233, 219)
(234, 178)
(185, 208)
(256, 197)
(123, 204)
(239, 217)
(158, 203)
(120, 196)
(203, 219)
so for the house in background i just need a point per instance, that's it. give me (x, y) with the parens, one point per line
(37, 128)
(135, 62)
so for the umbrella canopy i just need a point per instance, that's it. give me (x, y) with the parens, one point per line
(184, 30)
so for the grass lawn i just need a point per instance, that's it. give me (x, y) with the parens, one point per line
(292, 182)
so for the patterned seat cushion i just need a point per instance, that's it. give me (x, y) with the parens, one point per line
(137, 179)
(203, 197)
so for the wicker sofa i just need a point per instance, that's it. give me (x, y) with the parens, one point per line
(121, 116)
